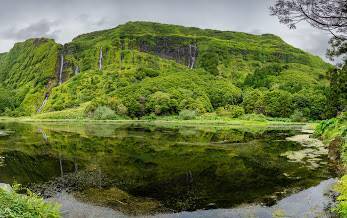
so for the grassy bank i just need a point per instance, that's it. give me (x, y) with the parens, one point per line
(186, 117)
(333, 133)
(17, 205)
(203, 120)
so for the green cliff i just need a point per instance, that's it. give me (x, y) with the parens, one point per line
(143, 68)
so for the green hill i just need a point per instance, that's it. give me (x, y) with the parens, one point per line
(143, 68)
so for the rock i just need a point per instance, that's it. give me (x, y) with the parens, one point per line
(6, 187)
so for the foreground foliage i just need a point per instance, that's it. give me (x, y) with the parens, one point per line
(16, 205)
(334, 132)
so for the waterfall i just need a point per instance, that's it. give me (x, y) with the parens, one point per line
(77, 70)
(100, 59)
(192, 56)
(43, 104)
(61, 69)
(44, 135)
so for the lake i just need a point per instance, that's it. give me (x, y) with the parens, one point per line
(144, 169)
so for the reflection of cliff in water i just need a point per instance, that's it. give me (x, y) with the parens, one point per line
(181, 168)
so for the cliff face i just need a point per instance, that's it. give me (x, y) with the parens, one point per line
(29, 68)
(181, 49)
(187, 46)
(136, 51)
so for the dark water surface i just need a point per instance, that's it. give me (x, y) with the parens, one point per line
(141, 169)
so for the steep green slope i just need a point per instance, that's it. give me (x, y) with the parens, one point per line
(29, 68)
(141, 68)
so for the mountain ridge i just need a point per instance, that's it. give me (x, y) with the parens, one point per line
(136, 53)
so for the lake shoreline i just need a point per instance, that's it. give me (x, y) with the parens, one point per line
(233, 122)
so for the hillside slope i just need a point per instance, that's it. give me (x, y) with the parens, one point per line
(141, 68)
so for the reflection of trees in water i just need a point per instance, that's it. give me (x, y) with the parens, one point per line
(151, 162)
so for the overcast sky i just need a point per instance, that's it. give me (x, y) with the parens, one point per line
(65, 19)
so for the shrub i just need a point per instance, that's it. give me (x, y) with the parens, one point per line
(16, 205)
(122, 109)
(209, 61)
(187, 115)
(262, 76)
(253, 101)
(233, 111)
(6, 100)
(222, 93)
(298, 116)
(341, 187)
(151, 116)
(111, 102)
(278, 103)
(104, 113)
(161, 103)
(324, 125)
(255, 117)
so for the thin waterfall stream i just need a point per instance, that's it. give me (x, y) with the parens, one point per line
(43, 104)
(61, 69)
(100, 59)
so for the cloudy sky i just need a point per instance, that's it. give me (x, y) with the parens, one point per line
(65, 19)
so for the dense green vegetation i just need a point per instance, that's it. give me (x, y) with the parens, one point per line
(26, 206)
(148, 69)
(334, 133)
(26, 73)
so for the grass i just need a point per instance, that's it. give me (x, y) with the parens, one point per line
(78, 115)
(170, 121)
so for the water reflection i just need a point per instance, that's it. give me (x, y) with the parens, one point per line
(141, 169)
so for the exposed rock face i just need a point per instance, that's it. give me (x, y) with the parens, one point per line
(182, 50)
(6, 187)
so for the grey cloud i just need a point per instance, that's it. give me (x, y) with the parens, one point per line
(256, 32)
(42, 28)
(21, 19)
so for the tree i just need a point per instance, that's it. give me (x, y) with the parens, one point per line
(222, 93)
(337, 96)
(253, 101)
(327, 15)
(161, 103)
(278, 103)
(6, 100)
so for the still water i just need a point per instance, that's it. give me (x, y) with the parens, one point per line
(140, 169)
